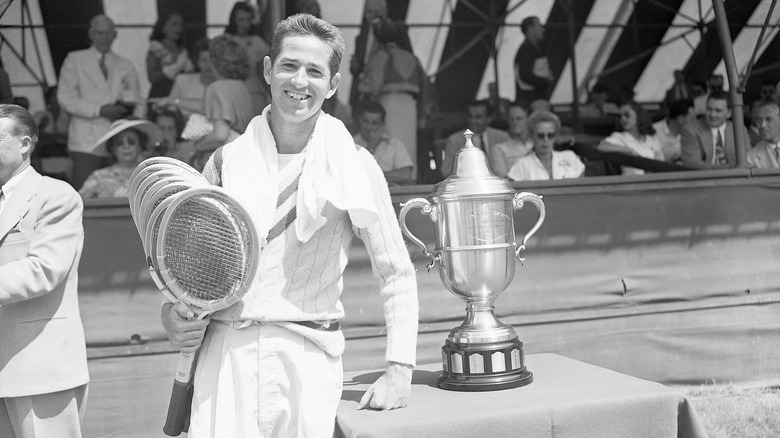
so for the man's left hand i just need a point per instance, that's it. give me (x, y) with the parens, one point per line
(391, 390)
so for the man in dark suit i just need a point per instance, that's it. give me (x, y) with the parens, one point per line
(43, 358)
(485, 136)
(709, 143)
(533, 77)
(374, 15)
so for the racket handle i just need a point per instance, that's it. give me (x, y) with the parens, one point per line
(181, 397)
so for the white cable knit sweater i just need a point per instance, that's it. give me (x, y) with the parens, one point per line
(303, 281)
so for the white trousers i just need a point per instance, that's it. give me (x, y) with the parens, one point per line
(263, 381)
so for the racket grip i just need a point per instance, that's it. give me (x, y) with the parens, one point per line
(181, 397)
(178, 408)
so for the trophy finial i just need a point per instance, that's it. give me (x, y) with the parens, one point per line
(468, 134)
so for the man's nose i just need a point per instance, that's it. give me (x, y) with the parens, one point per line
(300, 78)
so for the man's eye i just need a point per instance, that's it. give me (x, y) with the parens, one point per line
(315, 72)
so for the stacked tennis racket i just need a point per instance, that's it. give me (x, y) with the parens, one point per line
(201, 249)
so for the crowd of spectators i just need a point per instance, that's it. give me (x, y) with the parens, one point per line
(204, 95)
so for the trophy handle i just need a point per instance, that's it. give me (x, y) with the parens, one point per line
(517, 203)
(426, 208)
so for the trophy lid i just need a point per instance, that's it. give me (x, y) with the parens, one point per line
(471, 175)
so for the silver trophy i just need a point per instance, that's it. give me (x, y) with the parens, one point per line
(473, 213)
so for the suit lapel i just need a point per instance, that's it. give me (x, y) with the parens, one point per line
(19, 203)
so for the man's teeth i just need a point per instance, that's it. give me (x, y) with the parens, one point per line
(297, 96)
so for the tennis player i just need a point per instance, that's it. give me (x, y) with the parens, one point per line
(271, 364)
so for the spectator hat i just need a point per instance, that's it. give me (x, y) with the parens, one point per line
(151, 131)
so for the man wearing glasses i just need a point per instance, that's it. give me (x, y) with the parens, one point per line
(545, 162)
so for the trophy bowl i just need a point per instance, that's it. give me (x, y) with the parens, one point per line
(473, 213)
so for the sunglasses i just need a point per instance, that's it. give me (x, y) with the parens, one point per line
(546, 135)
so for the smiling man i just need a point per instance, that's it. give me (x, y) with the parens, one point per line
(271, 364)
(766, 154)
(709, 143)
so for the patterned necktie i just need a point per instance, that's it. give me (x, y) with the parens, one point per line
(103, 67)
(720, 154)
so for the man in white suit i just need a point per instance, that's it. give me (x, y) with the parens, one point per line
(766, 153)
(96, 87)
(43, 358)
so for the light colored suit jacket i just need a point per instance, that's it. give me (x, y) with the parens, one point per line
(42, 347)
(82, 90)
(456, 141)
(762, 156)
(697, 146)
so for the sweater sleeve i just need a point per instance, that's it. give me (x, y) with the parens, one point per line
(393, 268)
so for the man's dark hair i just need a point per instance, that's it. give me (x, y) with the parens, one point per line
(522, 104)
(309, 25)
(24, 124)
(373, 107)
(679, 108)
(528, 22)
(482, 102)
(718, 95)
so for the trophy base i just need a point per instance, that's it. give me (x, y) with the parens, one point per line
(483, 367)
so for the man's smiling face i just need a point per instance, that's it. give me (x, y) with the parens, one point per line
(300, 78)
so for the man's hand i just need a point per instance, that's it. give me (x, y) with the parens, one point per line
(391, 390)
(113, 112)
(185, 333)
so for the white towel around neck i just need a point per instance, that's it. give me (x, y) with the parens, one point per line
(332, 172)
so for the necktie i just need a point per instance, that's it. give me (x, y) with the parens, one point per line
(482, 142)
(720, 155)
(103, 67)
(776, 149)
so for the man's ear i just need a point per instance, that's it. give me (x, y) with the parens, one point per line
(267, 69)
(334, 84)
(26, 146)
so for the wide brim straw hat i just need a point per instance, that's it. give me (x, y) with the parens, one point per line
(153, 134)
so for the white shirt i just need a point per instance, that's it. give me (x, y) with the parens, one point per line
(714, 132)
(565, 164)
(8, 188)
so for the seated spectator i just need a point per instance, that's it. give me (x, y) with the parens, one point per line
(125, 140)
(767, 90)
(485, 137)
(714, 84)
(669, 129)
(709, 143)
(500, 106)
(545, 162)
(243, 29)
(389, 152)
(167, 56)
(228, 100)
(171, 124)
(766, 154)
(519, 144)
(189, 89)
(636, 138)
(598, 105)
(754, 123)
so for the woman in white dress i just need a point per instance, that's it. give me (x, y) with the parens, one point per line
(636, 138)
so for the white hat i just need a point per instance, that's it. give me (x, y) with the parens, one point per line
(150, 129)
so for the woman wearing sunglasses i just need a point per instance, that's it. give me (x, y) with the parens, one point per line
(545, 162)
